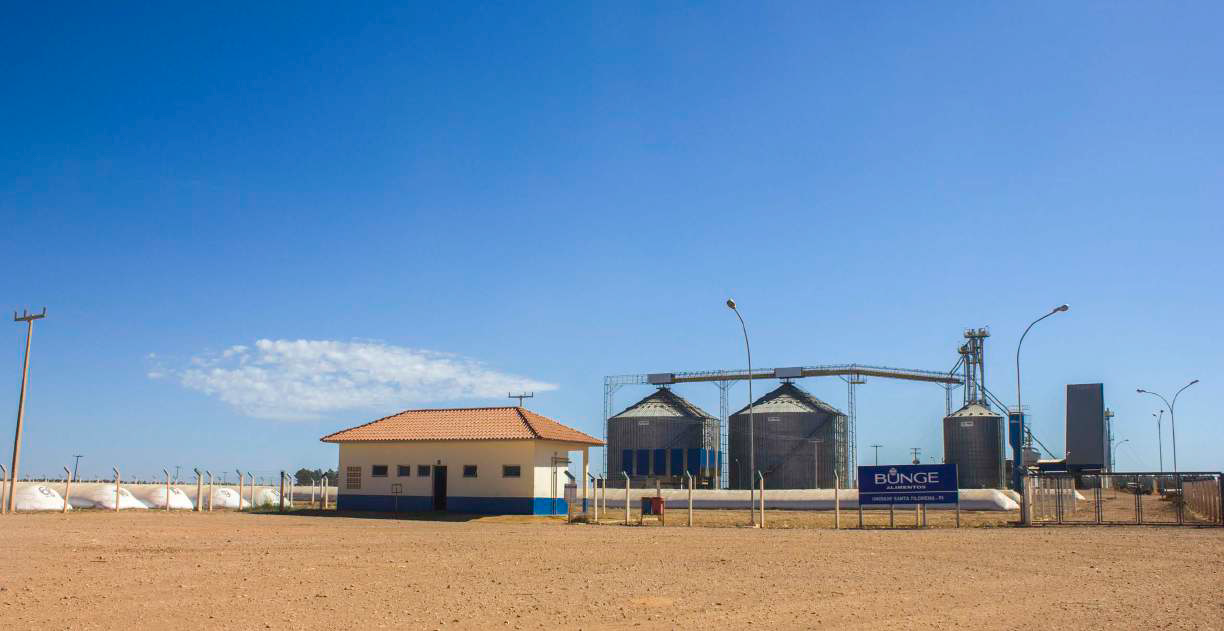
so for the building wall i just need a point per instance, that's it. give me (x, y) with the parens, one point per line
(487, 493)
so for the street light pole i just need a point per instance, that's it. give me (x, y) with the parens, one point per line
(76, 465)
(29, 319)
(877, 453)
(1018, 455)
(1113, 455)
(751, 415)
(1172, 421)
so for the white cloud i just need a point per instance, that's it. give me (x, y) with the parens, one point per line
(304, 379)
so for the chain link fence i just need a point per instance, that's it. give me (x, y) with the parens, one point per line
(1174, 499)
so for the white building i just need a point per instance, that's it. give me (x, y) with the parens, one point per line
(499, 460)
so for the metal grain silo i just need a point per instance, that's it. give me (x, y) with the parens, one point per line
(660, 438)
(789, 421)
(973, 441)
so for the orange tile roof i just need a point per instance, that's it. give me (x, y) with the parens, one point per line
(501, 423)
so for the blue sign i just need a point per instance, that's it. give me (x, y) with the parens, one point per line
(908, 484)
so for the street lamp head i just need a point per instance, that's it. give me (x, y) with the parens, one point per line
(1192, 382)
(1062, 307)
(1140, 390)
(730, 303)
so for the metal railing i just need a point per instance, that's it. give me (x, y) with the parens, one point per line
(1173, 499)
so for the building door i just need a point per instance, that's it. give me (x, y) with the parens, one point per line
(439, 488)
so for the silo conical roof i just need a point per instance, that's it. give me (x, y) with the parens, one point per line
(975, 410)
(662, 403)
(789, 398)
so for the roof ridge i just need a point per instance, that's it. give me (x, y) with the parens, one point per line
(527, 422)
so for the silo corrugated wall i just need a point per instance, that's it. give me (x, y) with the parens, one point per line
(788, 420)
(973, 442)
(660, 438)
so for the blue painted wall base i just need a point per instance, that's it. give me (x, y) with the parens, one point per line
(471, 505)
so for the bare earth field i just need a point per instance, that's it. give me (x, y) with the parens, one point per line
(154, 570)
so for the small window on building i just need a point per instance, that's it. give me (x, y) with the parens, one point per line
(469, 470)
(353, 478)
(423, 470)
(511, 471)
(378, 471)
(403, 471)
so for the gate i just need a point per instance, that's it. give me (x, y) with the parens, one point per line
(1173, 499)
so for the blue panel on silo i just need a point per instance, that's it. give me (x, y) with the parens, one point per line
(677, 462)
(643, 462)
(692, 461)
(660, 462)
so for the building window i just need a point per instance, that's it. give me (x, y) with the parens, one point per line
(423, 470)
(353, 479)
(511, 471)
(378, 471)
(469, 470)
(403, 471)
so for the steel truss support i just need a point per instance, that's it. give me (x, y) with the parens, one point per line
(852, 374)
(724, 413)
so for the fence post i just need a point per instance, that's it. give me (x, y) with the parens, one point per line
(116, 470)
(250, 491)
(592, 509)
(762, 477)
(167, 489)
(1026, 499)
(3, 489)
(323, 492)
(1181, 499)
(836, 500)
(210, 490)
(891, 516)
(199, 500)
(282, 492)
(689, 477)
(1058, 498)
(67, 488)
(626, 497)
(239, 489)
(1099, 498)
(1220, 499)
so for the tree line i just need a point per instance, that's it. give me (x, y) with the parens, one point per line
(312, 476)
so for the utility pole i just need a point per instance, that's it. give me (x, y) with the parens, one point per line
(76, 465)
(520, 397)
(177, 468)
(877, 453)
(29, 319)
(917, 453)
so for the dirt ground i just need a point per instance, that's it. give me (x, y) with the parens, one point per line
(155, 570)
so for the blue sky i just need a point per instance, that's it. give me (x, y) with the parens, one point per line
(450, 199)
